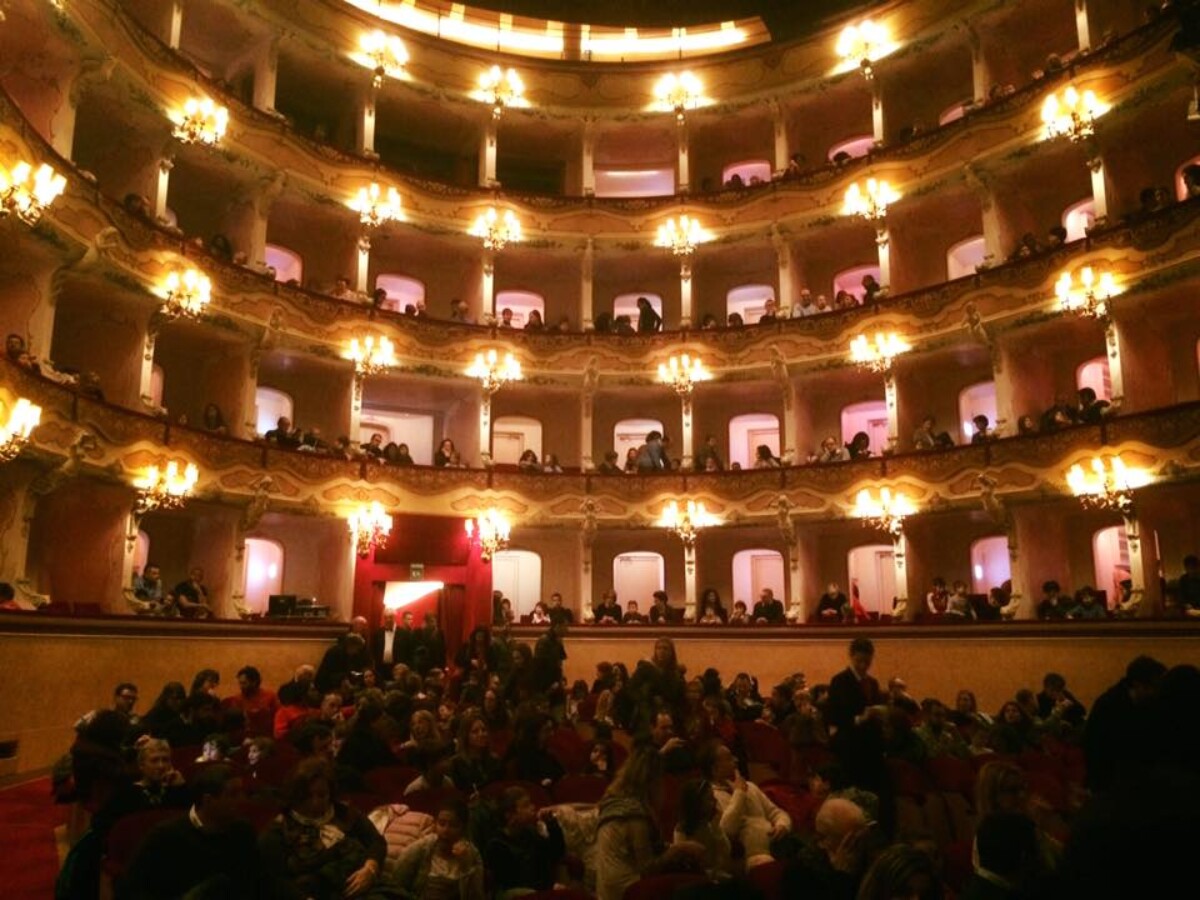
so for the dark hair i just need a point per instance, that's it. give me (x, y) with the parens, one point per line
(1054, 681)
(210, 781)
(6, 591)
(1051, 585)
(1087, 394)
(251, 674)
(204, 675)
(306, 773)
(306, 735)
(124, 686)
(862, 645)
(510, 798)
(1145, 670)
(1007, 843)
(457, 807)
(893, 870)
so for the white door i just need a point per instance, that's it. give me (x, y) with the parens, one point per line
(636, 576)
(766, 571)
(632, 433)
(758, 436)
(518, 574)
(885, 578)
(507, 447)
(872, 569)
(877, 429)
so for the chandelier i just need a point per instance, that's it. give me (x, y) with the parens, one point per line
(686, 523)
(887, 513)
(187, 293)
(375, 206)
(165, 490)
(858, 46)
(1092, 296)
(496, 230)
(877, 356)
(871, 204)
(492, 372)
(681, 236)
(683, 373)
(386, 53)
(679, 93)
(201, 122)
(370, 527)
(26, 193)
(15, 433)
(493, 529)
(1108, 486)
(371, 357)
(502, 88)
(1074, 116)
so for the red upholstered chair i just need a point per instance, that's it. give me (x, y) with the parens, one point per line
(389, 782)
(126, 837)
(765, 744)
(661, 887)
(952, 775)
(1049, 788)
(907, 779)
(580, 789)
(806, 760)
(768, 878)
(569, 748)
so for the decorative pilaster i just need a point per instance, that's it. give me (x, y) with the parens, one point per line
(587, 286)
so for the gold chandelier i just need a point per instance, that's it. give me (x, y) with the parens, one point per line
(502, 88)
(870, 204)
(26, 193)
(370, 528)
(496, 230)
(375, 206)
(493, 529)
(688, 522)
(493, 373)
(385, 54)
(679, 93)
(201, 122)
(169, 489)
(370, 357)
(186, 293)
(681, 236)
(887, 513)
(682, 374)
(1091, 298)
(1074, 116)
(15, 433)
(1107, 486)
(860, 45)
(878, 355)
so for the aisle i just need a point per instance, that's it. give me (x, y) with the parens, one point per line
(27, 822)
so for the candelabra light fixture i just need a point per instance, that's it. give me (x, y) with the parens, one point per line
(186, 293)
(1108, 485)
(201, 121)
(23, 417)
(688, 521)
(384, 53)
(502, 88)
(886, 513)
(370, 528)
(1091, 297)
(493, 372)
(491, 528)
(376, 206)
(496, 229)
(870, 203)
(683, 373)
(370, 356)
(681, 236)
(1074, 116)
(860, 45)
(165, 489)
(878, 355)
(679, 93)
(26, 192)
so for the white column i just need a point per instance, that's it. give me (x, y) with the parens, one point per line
(589, 157)
(488, 289)
(782, 150)
(686, 437)
(587, 286)
(884, 244)
(585, 579)
(266, 75)
(343, 602)
(1099, 188)
(487, 154)
(1082, 27)
(485, 430)
(783, 260)
(684, 178)
(146, 375)
(877, 112)
(356, 405)
(1112, 340)
(899, 557)
(163, 187)
(175, 24)
(366, 124)
(586, 425)
(893, 415)
(979, 73)
(362, 272)
(685, 294)
(249, 426)
(689, 583)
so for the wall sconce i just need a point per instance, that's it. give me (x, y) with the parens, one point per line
(682, 374)
(496, 230)
(686, 523)
(860, 45)
(201, 122)
(26, 193)
(679, 93)
(1074, 116)
(502, 88)
(15, 433)
(493, 529)
(492, 372)
(370, 358)
(165, 490)
(375, 206)
(186, 293)
(385, 54)
(877, 356)
(1092, 296)
(1108, 487)
(370, 528)
(681, 236)
(887, 513)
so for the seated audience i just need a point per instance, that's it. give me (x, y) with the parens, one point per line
(768, 610)
(443, 865)
(474, 766)
(1091, 411)
(700, 823)
(528, 850)
(833, 604)
(1087, 605)
(608, 610)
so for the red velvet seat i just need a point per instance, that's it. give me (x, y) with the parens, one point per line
(661, 887)
(768, 878)
(389, 782)
(765, 744)
(907, 779)
(952, 775)
(580, 789)
(126, 837)
(1049, 788)
(569, 748)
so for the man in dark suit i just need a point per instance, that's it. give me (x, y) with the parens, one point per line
(853, 690)
(768, 610)
(387, 646)
(858, 739)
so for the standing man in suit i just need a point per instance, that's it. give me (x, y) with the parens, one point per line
(386, 647)
(851, 709)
